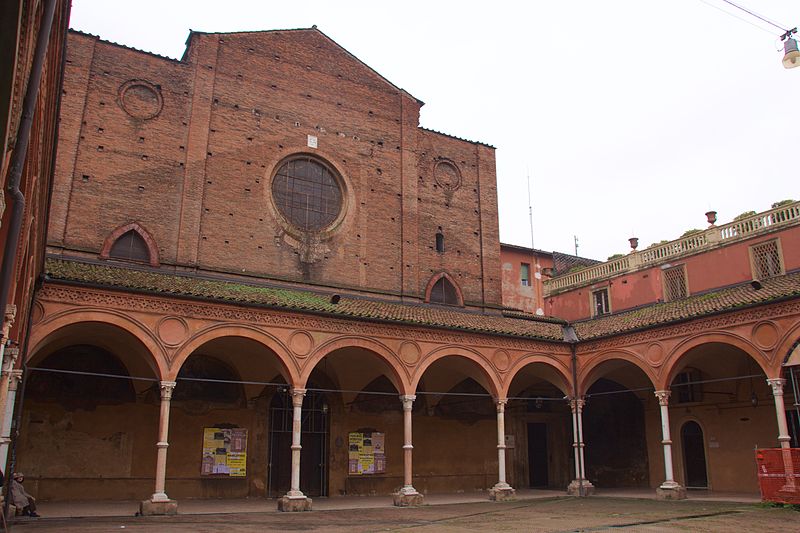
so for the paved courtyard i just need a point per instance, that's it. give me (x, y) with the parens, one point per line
(555, 514)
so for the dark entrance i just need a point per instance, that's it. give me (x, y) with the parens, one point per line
(537, 454)
(694, 456)
(313, 439)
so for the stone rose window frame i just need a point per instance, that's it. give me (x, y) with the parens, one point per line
(309, 195)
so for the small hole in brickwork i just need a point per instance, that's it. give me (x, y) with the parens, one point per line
(212, 130)
(180, 164)
(100, 148)
(209, 182)
(226, 242)
(63, 92)
(182, 148)
(100, 130)
(205, 238)
(238, 76)
(380, 143)
(141, 188)
(274, 86)
(250, 139)
(250, 50)
(392, 219)
(209, 154)
(246, 189)
(144, 158)
(297, 124)
(280, 146)
(230, 214)
(370, 113)
(249, 163)
(258, 181)
(338, 104)
(397, 147)
(206, 210)
(141, 139)
(260, 247)
(85, 177)
(358, 235)
(185, 93)
(216, 101)
(185, 123)
(261, 220)
(236, 106)
(276, 57)
(308, 67)
(372, 190)
(379, 171)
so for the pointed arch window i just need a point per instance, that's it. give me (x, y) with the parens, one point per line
(444, 292)
(130, 247)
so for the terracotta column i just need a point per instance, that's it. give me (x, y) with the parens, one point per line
(295, 500)
(783, 431)
(159, 503)
(5, 437)
(407, 495)
(502, 490)
(580, 486)
(669, 489)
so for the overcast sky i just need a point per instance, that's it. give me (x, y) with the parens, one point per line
(631, 117)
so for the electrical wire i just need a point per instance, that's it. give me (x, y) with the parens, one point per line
(706, 2)
(756, 15)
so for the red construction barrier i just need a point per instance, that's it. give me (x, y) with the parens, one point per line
(779, 474)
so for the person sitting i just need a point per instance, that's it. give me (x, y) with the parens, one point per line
(20, 498)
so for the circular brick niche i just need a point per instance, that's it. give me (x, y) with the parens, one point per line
(447, 175)
(140, 99)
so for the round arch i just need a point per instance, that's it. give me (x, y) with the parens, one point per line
(488, 374)
(287, 364)
(678, 353)
(562, 371)
(398, 376)
(784, 349)
(591, 372)
(43, 332)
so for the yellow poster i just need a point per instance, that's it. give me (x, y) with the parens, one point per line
(224, 452)
(366, 453)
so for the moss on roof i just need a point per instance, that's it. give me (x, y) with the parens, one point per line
(726, 299)
(157, 282)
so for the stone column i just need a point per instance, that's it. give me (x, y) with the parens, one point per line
(669, 490)
(502, 490)
(159, 503)
(407, 495)
(5, 437)
(295, 500)
(580, 486)
(783, 432)
(8, 358)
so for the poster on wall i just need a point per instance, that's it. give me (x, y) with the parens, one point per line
(366, 453)
(224, 452)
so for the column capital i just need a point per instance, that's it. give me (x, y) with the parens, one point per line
(577, 405)
(166, 390)
(10, 313)
(297, 396)
(408, 401)
(777, 385)
(663, 396)
(500, 404)
(10, 356)
(16, 377)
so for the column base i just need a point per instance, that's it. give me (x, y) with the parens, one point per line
(502, 492)
(670, 490)
(294, 504)
(158, 508)
(407, 497)
(580, 487)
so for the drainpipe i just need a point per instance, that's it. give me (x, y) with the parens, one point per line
(572, 338)
(21, 151)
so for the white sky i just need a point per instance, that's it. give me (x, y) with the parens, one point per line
(632, 117)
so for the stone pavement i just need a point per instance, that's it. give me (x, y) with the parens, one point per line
(538, 514)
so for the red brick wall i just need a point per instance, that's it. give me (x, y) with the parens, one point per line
(198, 176)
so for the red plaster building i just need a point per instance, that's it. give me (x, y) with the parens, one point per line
(262, 273)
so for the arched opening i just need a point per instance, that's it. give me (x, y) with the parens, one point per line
(538, 429)
(444, 292)
(440, 241)
(455, 435)
(618, 416)
(220, 416)
(353, 392)
(722, 389)
(90, 415)
(130, 247)
(694, 455)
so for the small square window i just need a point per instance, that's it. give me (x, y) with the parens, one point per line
(675, 283)
(525, 274)
(600, 301)
(766, 260)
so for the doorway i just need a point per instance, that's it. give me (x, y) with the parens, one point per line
(537, 455)
(314, 441)
(694, 456)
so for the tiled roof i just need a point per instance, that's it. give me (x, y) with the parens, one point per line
(156, 282)
(563, 263)
(726, 299)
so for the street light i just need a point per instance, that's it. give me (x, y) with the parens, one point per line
(791, 55)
